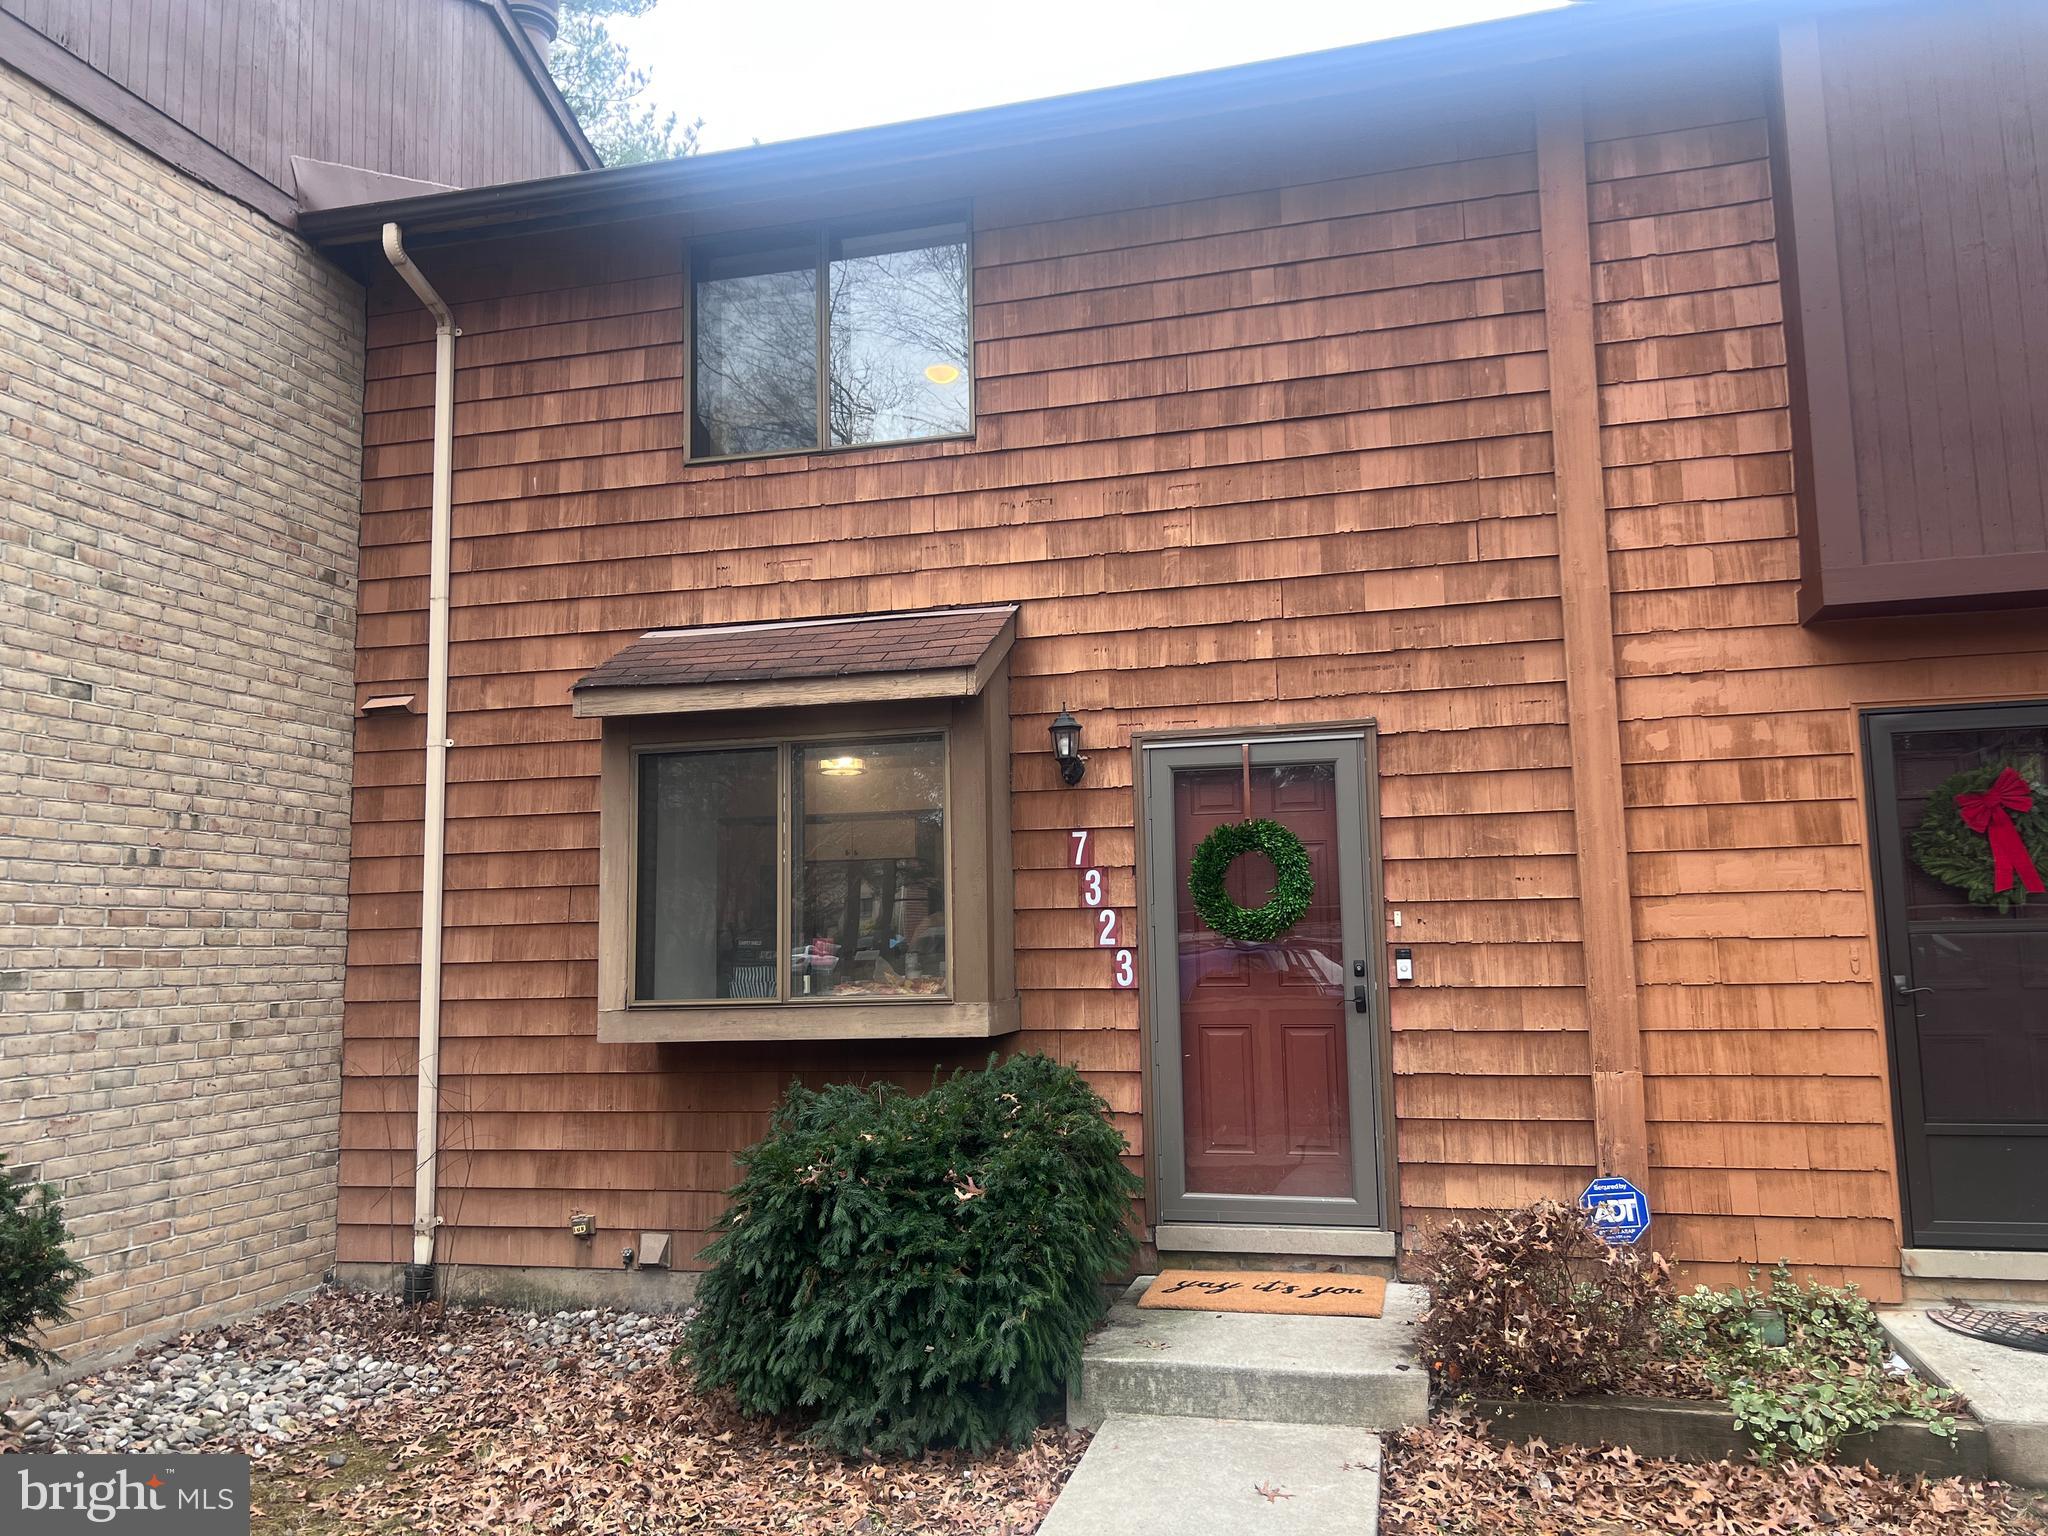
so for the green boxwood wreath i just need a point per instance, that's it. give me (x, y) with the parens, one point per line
(1947, 849)
(1293, 885)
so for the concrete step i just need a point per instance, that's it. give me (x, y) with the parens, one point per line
(1146, 1476)
(2007, 1388)
(1363, 1372)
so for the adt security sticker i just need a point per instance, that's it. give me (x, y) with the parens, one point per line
(1618, 1210)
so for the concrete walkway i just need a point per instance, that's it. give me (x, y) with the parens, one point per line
(1147, 1476)
(1221, 1423)
(2007, 1389)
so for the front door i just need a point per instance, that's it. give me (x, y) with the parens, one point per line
(1266, 1055)
(1967, 988)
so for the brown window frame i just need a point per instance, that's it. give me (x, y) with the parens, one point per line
(821, 233)
(980, 998)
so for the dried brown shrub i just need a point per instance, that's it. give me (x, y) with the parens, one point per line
(1532, 1303)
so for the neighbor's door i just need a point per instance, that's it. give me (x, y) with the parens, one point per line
(1967, 989)
(1265, 1055)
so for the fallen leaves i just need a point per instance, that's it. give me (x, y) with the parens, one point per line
(607, 1445)
(1450, 1479)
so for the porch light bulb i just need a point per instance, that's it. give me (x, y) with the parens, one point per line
(942, 373)
(841, 767)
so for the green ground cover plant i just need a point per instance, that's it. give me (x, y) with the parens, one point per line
(1802, 1365)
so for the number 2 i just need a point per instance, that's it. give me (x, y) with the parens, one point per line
(1091, 887)
(1106, 928)
(1126, 969)
(1080, 848)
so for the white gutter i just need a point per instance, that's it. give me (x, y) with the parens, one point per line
(426, 1146)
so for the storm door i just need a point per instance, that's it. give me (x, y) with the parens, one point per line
(1265, 1052)
(1966, 982)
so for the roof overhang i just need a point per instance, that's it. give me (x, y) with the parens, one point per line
(946, 653)
(1401, 73)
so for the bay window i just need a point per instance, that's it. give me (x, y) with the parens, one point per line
(804, 830)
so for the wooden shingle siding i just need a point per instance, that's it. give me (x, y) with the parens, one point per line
(1764, 1048)
(1264, 445)
(1272, 455)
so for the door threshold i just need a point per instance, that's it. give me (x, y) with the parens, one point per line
(1317, 1242)
(1973, 1264)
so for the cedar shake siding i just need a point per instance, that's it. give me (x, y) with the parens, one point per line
(1265, 436)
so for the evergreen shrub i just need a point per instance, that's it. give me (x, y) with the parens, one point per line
(911, 1271)
(37, 1276)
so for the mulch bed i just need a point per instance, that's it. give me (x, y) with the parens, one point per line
(550, 1426)
(509, 1446)
(1449, 1479)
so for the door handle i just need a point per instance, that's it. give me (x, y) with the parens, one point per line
(1359, 1001)
(1900, 989)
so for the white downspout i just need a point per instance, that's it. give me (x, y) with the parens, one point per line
(426, 1146)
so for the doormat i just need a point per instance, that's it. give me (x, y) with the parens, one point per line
(1257, 1290)
(2016, 1330)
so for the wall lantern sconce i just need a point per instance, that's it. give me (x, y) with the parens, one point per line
(1066, 747)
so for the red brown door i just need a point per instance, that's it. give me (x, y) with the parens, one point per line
(1967, 986)
(1267, 1049)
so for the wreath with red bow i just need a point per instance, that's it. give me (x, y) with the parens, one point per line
(1985, 832)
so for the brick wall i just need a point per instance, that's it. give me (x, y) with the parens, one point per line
(180, 439)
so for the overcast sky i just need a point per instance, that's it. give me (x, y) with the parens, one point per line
(784, 69)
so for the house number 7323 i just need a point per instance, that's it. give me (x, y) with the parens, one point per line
(1123, 969)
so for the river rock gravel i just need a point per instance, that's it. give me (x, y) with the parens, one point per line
(308, 1369)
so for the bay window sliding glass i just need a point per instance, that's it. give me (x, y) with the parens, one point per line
(799, 872)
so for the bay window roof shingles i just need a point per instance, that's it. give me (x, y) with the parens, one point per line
(714, 666)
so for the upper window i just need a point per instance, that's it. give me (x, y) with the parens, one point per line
(860, 901)
(829, 339)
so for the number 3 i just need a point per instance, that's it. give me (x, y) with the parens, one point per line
(1091, 887)
(1126, 971)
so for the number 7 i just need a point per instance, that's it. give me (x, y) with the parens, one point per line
(1080, 848)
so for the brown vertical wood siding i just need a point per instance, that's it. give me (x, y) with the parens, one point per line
(1274, 449)
(1935, 121)
(1927, 318)
(424, 88)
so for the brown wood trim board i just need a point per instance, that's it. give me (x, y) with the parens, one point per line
(1620, 1123)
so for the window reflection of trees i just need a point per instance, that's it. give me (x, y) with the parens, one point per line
(757, 361)
(895, 315)
(899, 349)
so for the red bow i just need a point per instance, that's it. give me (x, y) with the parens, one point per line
(1988, 813)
